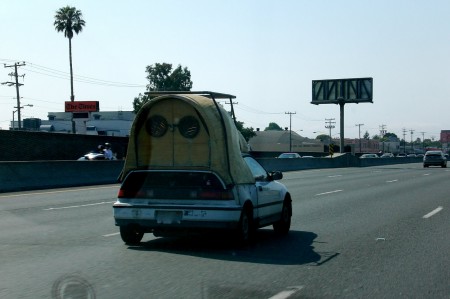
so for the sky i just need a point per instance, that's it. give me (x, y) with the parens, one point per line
(266, 53)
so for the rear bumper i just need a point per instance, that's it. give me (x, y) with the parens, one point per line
(150, 218)
(434, 163)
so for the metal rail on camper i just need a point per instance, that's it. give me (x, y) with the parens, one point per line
(209, 94)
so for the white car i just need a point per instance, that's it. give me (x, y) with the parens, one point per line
(187, 171)
(366, 156)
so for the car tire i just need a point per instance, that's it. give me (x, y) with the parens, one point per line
(284, 224)
(245, 229)
(131, 234)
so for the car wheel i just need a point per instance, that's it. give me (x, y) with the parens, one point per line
(444, 165)
(245, 230)
(131, 234)
(284, 224)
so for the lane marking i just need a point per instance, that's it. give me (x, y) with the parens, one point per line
(111, 235)
(80, 206)
(287, 293)
(426, 174)
(335, 176)
(434, 212)
(335, 191)
(59, 191)
(393, 181)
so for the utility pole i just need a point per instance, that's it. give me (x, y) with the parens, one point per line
(290, 129)
(382, 133)
(412, 144)
(231, 103)
(404, 141)
(423, 143)
(359, 125)
(329, 124)
(17, 84)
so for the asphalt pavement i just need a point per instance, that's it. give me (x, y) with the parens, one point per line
(374, 232)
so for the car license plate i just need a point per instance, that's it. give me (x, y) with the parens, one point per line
(168, 217)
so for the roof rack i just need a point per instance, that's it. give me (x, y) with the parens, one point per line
(209, 94)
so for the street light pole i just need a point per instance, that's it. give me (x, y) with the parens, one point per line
(18, 113)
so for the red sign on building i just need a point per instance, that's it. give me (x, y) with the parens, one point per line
(82, 106)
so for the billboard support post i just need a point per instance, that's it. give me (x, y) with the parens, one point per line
(342, 91)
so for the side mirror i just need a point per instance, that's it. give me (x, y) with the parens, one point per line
(276, 175)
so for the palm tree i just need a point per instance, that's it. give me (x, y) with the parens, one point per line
(69, 20)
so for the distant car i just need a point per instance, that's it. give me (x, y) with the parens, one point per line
(434, 158)
(308, 157)
(420, 155)
(401, 155)
(289, 156)
(92, 156)
(411, 156)
(365, 156)
(387, 155)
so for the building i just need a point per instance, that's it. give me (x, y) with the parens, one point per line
(284, 141)
(106, 123)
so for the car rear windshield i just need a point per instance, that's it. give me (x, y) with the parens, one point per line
(434, 154)
(173, 185)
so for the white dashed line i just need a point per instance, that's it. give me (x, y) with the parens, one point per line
(287, 293)
(335, 176)
(111, 235)
(335, 191)
(393, 181)
(80, 206)
(434, 212)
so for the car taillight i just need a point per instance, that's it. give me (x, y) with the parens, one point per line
(126, 194)
(216, 194)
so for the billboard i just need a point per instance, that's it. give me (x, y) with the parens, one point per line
(338, 91)
(82, 106)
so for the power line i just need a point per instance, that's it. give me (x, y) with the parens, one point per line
(83, 79)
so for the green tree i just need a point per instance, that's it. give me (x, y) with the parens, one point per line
(390, 136)
(323, 137)
(162, 78)
(69, 20)
(246, 132)
(273, 126)
(366, 135)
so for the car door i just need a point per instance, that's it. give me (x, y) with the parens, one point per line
(269, 193)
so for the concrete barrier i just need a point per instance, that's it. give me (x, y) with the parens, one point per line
(345, 160)
(34, 175)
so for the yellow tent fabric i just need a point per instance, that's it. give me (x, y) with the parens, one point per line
(210, 142)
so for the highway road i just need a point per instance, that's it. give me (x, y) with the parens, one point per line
(375, 232)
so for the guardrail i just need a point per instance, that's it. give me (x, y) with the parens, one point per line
(34, 175)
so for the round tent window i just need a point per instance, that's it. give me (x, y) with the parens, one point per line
(189, 127)
(156, 126)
